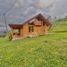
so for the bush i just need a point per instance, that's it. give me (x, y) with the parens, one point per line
(9, 35)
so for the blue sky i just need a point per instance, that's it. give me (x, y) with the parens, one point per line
(24, 9)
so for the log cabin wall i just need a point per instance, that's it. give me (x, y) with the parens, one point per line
(25, 29)
(46, 27)
(37, 27)
(21, 31)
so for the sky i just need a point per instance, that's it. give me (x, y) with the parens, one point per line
(24, 9)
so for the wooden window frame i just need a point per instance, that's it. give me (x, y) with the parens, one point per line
(31, 28)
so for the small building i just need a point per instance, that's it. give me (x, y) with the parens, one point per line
(34, 26)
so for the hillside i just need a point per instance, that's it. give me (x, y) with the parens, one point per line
(43, 51)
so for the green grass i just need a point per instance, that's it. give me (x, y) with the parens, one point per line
(60, 26)
(43, 51)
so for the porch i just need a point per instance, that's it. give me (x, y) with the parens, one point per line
(16, 30)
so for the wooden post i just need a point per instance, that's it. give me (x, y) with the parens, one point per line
(42, 27)
(46, 29)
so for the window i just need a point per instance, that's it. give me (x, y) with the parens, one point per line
(31, 25)
(31, 28)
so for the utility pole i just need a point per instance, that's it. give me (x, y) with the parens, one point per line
(5, 13)
(4, 16)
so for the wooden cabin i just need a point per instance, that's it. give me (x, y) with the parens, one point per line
(34, 26)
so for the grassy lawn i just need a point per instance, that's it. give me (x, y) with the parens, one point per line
(43, 51)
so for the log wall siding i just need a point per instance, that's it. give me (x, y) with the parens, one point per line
(21, 32)
(25, 29)
(37, 29)
(46, 27)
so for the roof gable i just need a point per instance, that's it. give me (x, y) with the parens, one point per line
(39, 17)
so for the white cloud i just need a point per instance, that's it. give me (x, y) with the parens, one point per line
(25, 8)
(19, 3)
(59, 8)
(45, 3)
